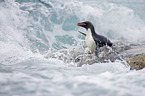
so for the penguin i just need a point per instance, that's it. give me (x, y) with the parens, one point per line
(93, 40)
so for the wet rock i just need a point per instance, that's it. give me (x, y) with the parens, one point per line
(121, 51)
(136, 61)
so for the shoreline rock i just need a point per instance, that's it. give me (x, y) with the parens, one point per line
(133, 54)
(136, 61)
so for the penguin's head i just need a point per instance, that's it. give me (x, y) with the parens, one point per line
(86, 24)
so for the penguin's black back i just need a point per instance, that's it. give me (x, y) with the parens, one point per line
(101, 40)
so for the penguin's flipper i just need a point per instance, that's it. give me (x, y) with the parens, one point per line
(45, 4)
(82, 33)
(97, 51)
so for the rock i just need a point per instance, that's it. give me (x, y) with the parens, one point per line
(133, 53)
(136, 61)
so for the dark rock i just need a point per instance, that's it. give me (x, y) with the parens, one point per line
(133, 53)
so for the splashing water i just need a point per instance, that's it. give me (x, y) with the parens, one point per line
(29, 29)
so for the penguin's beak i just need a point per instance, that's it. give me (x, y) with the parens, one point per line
(81, 24)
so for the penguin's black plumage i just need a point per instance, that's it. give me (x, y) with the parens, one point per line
(94, 40)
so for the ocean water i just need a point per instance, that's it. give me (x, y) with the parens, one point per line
(31, 29)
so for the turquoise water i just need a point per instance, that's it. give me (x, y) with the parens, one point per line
(30, 29)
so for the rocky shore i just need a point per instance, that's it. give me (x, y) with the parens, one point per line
(136, 61)
(135, 57)
(133, 54)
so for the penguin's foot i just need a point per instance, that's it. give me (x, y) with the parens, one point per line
(97, 51)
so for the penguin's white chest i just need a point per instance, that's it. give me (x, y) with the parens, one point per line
(90, 41)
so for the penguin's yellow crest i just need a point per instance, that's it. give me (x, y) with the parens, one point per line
(91, 23)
